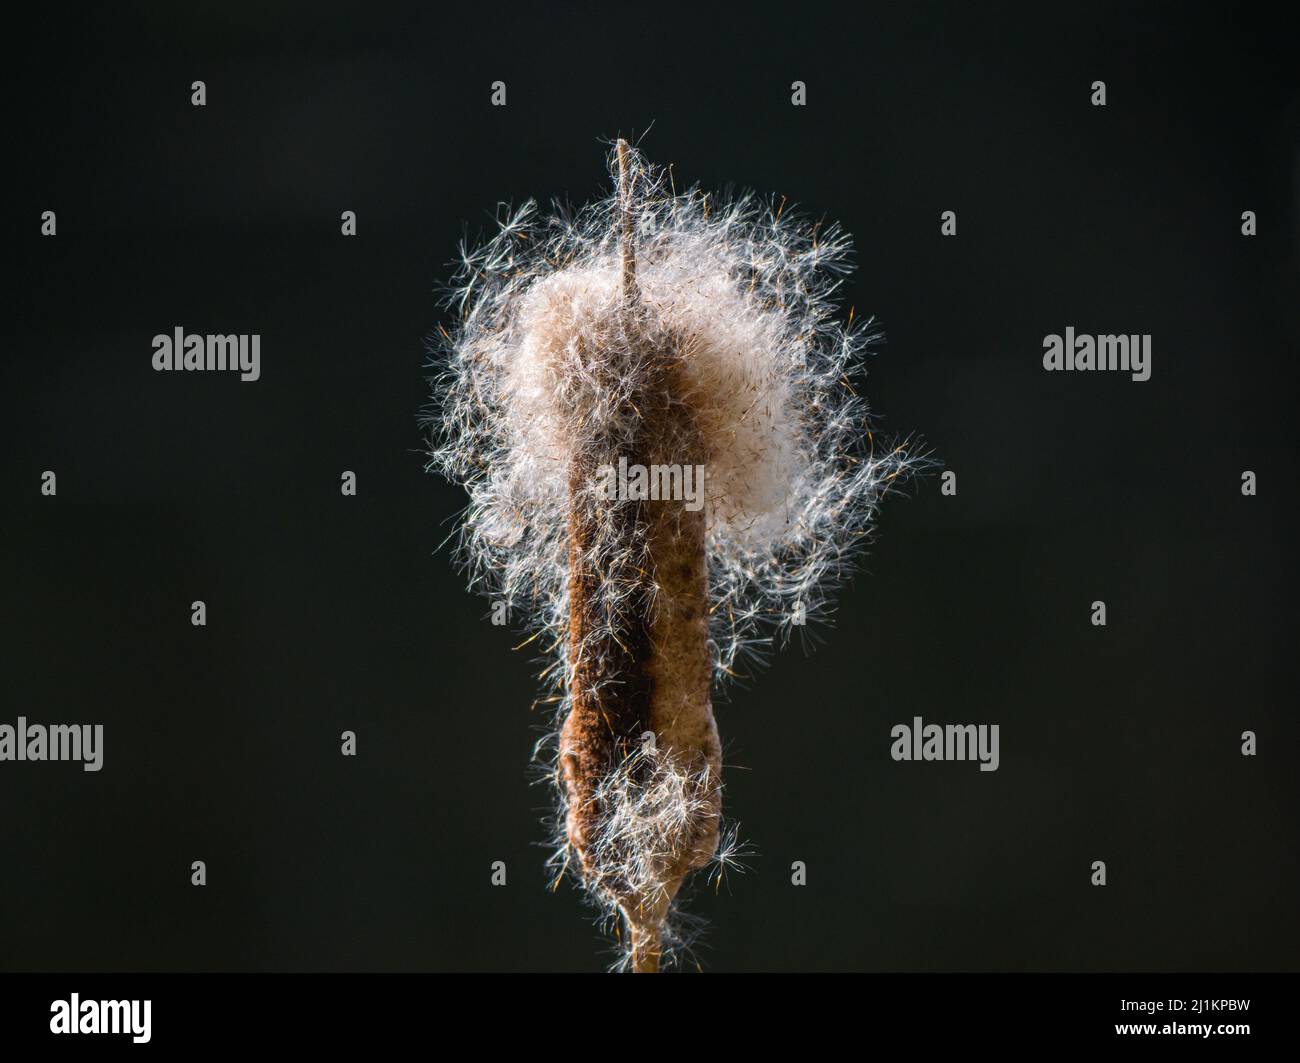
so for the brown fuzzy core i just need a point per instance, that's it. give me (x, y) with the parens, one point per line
(644, 667)
(638, 642)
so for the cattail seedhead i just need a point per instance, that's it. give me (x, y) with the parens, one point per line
(684, 330)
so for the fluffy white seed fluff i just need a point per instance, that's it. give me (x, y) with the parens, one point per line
(654, 800)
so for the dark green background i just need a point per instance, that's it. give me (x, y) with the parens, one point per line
(326, 613)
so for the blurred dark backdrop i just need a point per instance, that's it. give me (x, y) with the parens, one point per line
(324, 613)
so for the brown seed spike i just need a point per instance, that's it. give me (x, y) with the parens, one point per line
(639, 754)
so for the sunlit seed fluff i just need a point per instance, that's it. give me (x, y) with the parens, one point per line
(742, 292)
